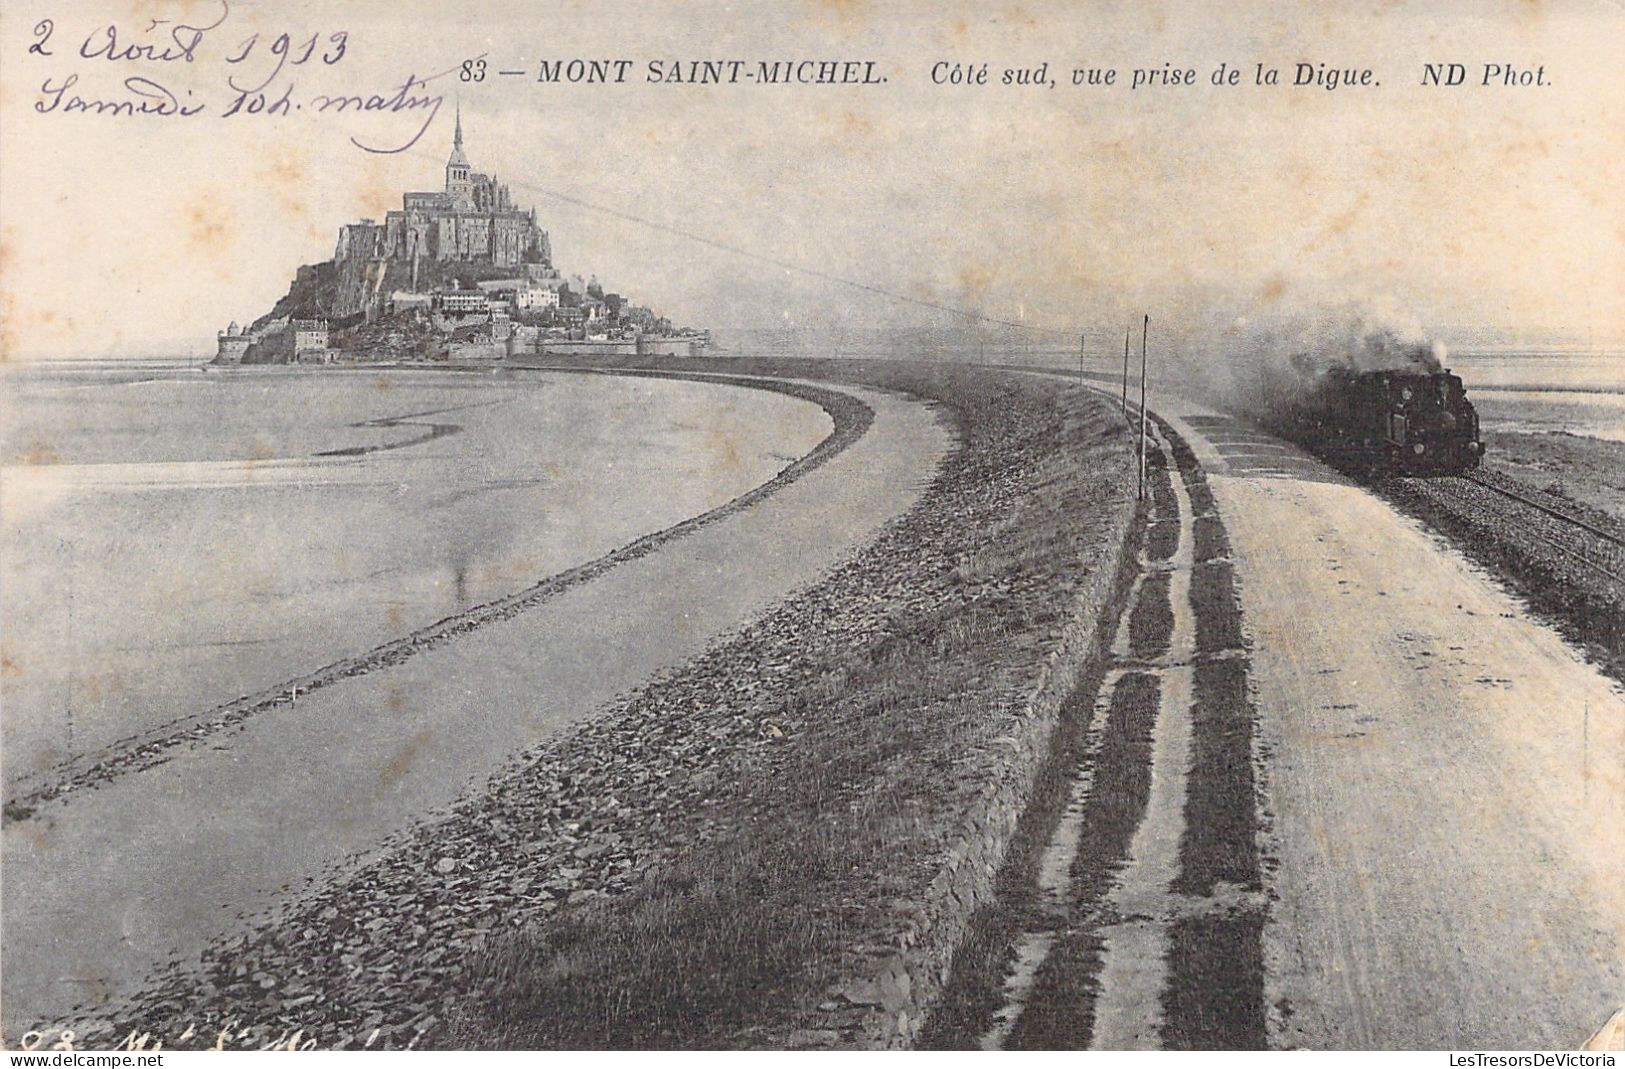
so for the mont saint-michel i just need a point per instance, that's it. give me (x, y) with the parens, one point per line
(1140, 564)
(460, 273)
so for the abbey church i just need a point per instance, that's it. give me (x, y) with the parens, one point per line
(472, 219)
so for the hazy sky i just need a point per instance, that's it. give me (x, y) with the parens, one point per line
(1469, 208)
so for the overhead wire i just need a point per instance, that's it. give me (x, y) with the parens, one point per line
(789, 265)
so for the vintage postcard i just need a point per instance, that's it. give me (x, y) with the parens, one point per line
(812, 524)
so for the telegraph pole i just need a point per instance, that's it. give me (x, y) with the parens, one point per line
(1126, 332)
(1145, 327)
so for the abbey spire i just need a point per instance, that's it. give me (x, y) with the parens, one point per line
(459, 189)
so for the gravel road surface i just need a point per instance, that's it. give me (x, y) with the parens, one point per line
(1443, 777)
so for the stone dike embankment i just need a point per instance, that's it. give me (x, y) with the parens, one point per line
(779, 843)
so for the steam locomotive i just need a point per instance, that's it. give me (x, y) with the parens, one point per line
(1407, 421)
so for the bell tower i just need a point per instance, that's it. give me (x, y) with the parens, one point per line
(459, 190)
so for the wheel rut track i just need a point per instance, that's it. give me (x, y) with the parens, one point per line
(1043, 975)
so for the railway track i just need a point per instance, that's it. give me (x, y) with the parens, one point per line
(1485, 481)
(1561, 529)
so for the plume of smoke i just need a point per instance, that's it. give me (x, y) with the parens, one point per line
(1261, 362)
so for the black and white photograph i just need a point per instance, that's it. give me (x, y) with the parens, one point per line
(812, 525)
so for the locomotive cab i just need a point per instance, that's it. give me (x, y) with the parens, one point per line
(1431, 427)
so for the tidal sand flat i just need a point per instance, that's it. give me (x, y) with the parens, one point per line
(1556, 421)
(1581, 394)
(105, 885)
(174, 539)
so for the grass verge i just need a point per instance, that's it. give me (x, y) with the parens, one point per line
(792, 922)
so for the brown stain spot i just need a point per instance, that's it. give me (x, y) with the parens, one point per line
(976, 279)
(41, 453)
(144, 11)
(845, 11)
(845, 18)
(1341, 223)
(8, 325)
(401, 763)
(284, 171)
(855, 125)
(288, 177)
(723, 445)
(93, 989)
(1273, 289)
(9, 669)
(378, 191)
(209, 228)
(508, 570)
(1018, 15)
(396, 616)
(1344, 220)
(104, 685)
(1075, 270)
(1530, 12)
